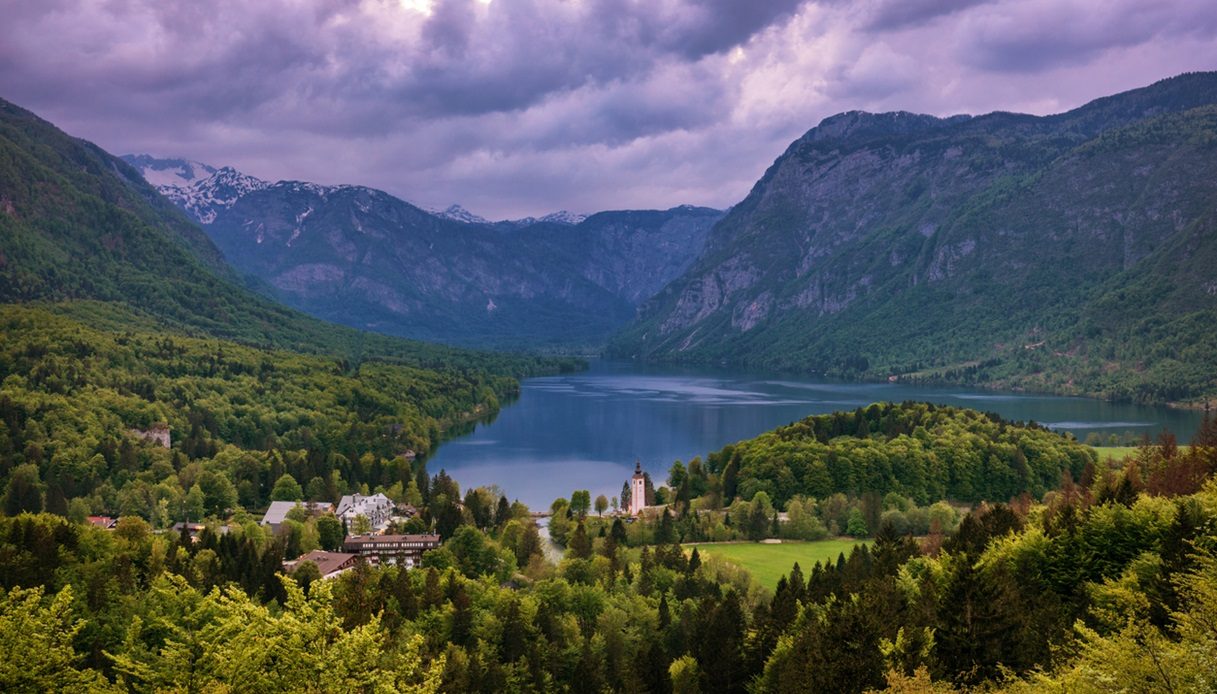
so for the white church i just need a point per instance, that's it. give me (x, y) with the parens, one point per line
(638, 490)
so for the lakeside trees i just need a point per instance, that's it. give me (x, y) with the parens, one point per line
(248, 425)
(919, 450)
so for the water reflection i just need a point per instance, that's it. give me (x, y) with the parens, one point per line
(583, 431)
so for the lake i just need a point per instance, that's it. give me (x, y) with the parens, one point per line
(585, 430)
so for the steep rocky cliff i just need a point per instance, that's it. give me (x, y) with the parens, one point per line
(977, 249)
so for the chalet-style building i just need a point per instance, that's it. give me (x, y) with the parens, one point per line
(193, 529)
(103, 522)
(406, 550)
(330, 564)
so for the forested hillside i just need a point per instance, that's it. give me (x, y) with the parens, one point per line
(1064, 253)
(239, 417)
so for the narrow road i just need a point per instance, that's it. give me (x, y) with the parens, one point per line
(553, 551)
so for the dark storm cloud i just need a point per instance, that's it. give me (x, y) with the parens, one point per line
(886, 15)
(521, 106)
(1042, 34)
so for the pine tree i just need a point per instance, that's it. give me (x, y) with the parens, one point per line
(694, 562)
(503, 513)
(462, 616)
(580, 543)
(666, 532)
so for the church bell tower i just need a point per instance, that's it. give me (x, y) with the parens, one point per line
(638, 490)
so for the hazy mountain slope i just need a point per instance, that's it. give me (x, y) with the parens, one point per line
(962, 248)
(362, 257)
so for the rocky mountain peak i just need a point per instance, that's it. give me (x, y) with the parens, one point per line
(459, 214)
(859, 125)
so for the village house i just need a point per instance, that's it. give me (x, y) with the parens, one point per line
(277, 513)
(103, 522)
(406, 550)
(329, 564)
(192, 529)
(377, 508)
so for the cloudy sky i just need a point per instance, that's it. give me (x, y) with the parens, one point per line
(515, 107)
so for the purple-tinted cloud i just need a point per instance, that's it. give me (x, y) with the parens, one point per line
(1042, 34)
(517, 107)
(886, 15)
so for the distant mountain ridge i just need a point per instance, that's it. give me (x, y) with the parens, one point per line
(362, 257)
(459, 214)
(201, 190)
(1004, 249)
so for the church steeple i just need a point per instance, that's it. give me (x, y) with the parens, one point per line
(638, 490)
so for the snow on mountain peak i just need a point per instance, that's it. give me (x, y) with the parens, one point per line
(559, 217)
(564, 217)
(201, 190)
(203, 199)
(459, 214)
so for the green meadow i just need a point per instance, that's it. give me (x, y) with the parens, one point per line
(1119, 453)
(769, 562)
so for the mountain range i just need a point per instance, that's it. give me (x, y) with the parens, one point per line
(1075, 252)
(1071, 253)
(362, 257)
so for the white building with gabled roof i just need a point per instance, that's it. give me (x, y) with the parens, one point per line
(377, 508)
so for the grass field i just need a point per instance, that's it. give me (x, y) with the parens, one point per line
(1118, 453)
(769, 562)
(1115, 452)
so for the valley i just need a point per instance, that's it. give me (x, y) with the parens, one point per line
(360, 257)
(273, 436)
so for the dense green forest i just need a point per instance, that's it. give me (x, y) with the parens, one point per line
(919, 450)
(1106, 581)
(241, 417)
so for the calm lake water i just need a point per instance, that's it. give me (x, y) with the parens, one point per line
(584, 430)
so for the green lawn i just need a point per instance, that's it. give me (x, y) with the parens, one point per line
(769, 562)
(1118, 453)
